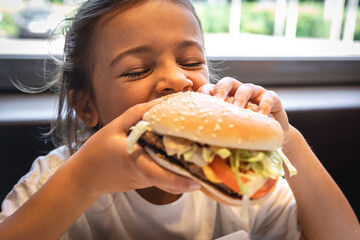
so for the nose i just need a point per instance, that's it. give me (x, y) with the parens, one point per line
(172, 79)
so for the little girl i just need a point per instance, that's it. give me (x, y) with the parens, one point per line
(120, 57)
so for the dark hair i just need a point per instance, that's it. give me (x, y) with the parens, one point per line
(74, 71)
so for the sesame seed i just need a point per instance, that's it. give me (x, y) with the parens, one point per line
(204, 110)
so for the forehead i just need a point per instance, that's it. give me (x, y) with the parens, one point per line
(144, 21)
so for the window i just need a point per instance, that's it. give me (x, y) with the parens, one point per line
(284, 42)
(326, 19)
(269, 42)
(295, 28)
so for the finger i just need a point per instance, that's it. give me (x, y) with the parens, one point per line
(271, 104)
(247, 92)
(226, 87)
(207, 89)
(134, 114)
(163, 178)
(268, 101)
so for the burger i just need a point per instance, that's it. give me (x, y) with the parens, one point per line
(233, 152)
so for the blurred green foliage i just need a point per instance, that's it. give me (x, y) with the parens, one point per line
(7, 25)
(256, 18)
(259, 19)
(214, 19)
(357, 26)
(311, 22)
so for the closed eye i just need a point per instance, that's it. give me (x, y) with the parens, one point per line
(193, 65)
(135, 74)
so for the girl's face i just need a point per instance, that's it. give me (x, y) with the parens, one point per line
(143, 53)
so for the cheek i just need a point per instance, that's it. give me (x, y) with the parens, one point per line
(200, 79)
(120, 98)
(109, 103)
(112, 106)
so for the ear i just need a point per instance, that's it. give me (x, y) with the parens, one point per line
(84, 108)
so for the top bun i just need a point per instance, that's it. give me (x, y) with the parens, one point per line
(210, 120)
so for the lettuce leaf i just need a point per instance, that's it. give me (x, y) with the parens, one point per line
(135, 134)
(264, 163)
(290, 167)
(235, 164)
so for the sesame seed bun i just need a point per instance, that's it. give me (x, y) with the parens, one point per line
(210, 120)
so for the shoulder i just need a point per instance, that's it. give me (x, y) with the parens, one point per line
(45, 166)
(41, 170)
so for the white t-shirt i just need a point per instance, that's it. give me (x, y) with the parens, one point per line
(193, 216)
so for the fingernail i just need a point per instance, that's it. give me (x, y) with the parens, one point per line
(263, 111)
(230, 99)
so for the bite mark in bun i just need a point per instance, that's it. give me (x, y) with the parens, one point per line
(229, 150)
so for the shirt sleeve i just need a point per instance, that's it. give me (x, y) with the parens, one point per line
(41, 170)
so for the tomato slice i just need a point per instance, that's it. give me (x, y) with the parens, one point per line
(268, 186)
(226, 174)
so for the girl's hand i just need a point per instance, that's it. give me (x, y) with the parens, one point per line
(106, 167)
(268, 101)
(312, 186)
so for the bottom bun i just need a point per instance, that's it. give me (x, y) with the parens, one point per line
(206, 188)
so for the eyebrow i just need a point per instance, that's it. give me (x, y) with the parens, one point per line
(189, 43)
(135, 50)
(146, 49)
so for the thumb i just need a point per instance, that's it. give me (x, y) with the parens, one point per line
(134, 114)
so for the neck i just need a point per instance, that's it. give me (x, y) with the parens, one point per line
(157, 196)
